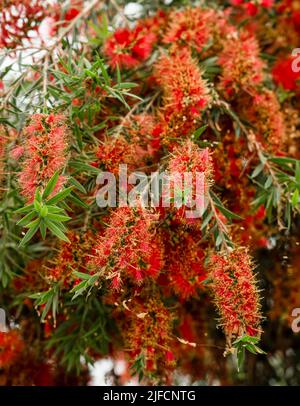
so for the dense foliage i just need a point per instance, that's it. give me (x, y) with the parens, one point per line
(189, 87)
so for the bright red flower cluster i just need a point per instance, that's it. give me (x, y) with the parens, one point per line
(45, 146)
(186, 95)
(189, 27)
(185, 91)
(183, 261)
(148, 334)
(284, 75)
(263, 110)
(70, 257)
(11, 346)
(115, 152)
(235, 293)
(241, 65)
(189, 159)
(128, 48)
(129, 247)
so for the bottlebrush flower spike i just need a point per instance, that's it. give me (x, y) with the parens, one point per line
(45, 152)
(235, 293)
(11, 346)
(115, 152)
(189, 27)
(129, 247)
(72, 256)
(183, 261)
(189, 159)
(241, 64)
(264, 111)
(128, 48)
(181, 80)
(148, 333)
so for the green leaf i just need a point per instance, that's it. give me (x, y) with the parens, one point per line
(38, 196)
(43, 229)
(55, 209)
(227, 213)
(25, 220)
(206, 220)
(33, 223)
(44, 211)
(268, 182)
(199, 131)
(58, 217)
(219, 240)
(50, 185)
(37, 205)
(30, 233)
(246, 339)
(24, 209)
(297, 172)
(77, 185)
(60, 196)
(295, 198)
(76, 199)
(81, 275)
(257, 170)
(240, 358)
(56, 231)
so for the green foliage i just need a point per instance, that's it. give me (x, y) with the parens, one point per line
(278, 187)
(246, 343)
(45, 213)
(84, 333)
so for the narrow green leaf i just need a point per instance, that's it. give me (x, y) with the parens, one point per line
(43, 229)
(50, 185)
(60, 196)
(257, 170)
(78, 185)
(58, 217)
(227, 213)
(295, 198)
(25, 220)
(27, 237)
(24, 209)
(56, 231)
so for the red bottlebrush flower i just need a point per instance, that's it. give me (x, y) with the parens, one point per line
(11, 346)
(140, 129)
(148, 333)
(284, 75)
(190, 159)
(189, 27)
(241, 65)
(264, 112)
(70, 256)
(129, 247)
(45, 149)
(184, 89)
(195, 27)
(184, 261)
(235, 293)
(128, 48)
(115, 152)
(18, 18)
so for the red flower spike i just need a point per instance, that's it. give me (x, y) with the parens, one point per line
(235, 293)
